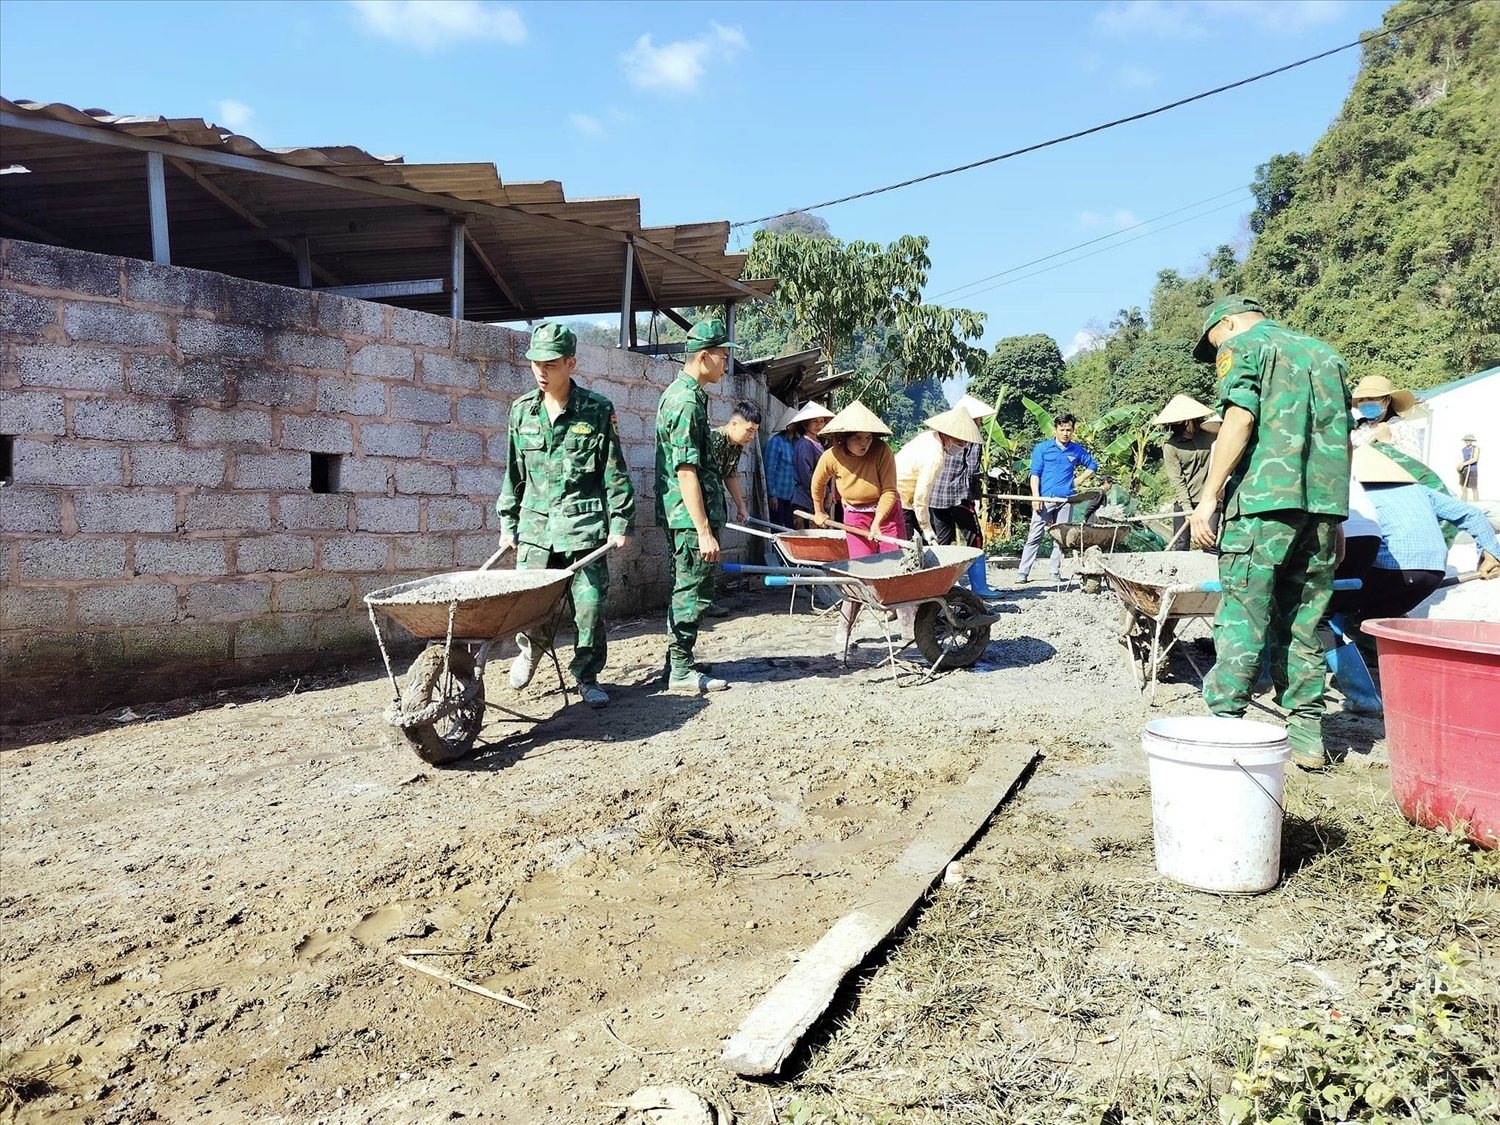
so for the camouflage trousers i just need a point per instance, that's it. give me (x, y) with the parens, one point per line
(692, 591)
(1277, 573)
(585, 600)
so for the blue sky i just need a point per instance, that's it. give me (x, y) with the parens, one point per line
(801, 102)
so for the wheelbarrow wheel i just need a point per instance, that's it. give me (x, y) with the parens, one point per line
(938, 640)
(448, 737)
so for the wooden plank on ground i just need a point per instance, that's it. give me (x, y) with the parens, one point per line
(774, 1027)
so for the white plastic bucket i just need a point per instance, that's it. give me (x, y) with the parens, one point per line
(1216, 788)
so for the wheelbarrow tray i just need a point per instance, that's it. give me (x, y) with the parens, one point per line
(1079, 536)
(883, 581)
(1143, 580)
(802, 547)
(491, 603)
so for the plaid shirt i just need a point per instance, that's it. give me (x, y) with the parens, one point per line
(1409, 515)
(781, 478)
(952, 487)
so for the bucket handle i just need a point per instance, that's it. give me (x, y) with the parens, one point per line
(1259, 786)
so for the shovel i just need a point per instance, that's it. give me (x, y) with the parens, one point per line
(912, 556)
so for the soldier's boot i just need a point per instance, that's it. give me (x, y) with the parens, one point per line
(523, 667)
(695, 682)
(1306, 740)
(593, 695)
(666, 668)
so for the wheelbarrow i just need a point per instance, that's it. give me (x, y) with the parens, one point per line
(810, 547)
(461, 615)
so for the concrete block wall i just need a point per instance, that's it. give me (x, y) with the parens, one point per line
(160, 529)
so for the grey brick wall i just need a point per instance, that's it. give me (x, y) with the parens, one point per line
(160, 528)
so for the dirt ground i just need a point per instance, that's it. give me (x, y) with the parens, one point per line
(201, 907)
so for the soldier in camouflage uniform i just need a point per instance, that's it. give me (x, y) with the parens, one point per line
(1281, 465)
(690, 498)
(566, 492)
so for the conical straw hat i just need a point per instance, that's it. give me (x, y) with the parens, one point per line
(977, 408)
(1211, 424)
(788, 416)
(1182, 408)
(1378, 386)
(955, 423)
(810, 411)
(857, 418)
(1370, 466)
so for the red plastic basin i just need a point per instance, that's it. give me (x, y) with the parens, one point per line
(1440, 681)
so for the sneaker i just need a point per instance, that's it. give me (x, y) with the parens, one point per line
(594, 695)
(523, 667)
(697, 683)
(1020, 578)
(1057, 576)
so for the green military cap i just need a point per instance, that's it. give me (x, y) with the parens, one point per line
(1224, 306)
(708, 334)
(552, 341)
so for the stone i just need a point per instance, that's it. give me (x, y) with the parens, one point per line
(182, 643)
(105, 323)
(228, 427)
(454, 514)
(351, 396)
(421, 406)
(449, 371)
(485, 482)
(37, 510)
(354, 552)
(480, 410)
(172, 465)
(474, 550)
(342, 633)
(490, 341)
(103, 512)
(385, 360)
(53, 267)
(274, 552)
(413, 327)
(340, 314)
(272, 386)
(133, 603)
(267, 306)
(206, 380)
(228, 511)
(271, 635)
(124, 420)
(497, 448)
(66, 463)
(218, 601)
(204, 558)
(67, 367)
(211, 338)
(455, 445)
(395, 440)
(640, 455)
(274, 471)
(317, 434)
(633, 428)
(301, 349)
(33, 607)
(75, 559)
(321, 511)
(422, 552)
(31, 412)
(365, 474)
(309, 595)
(386, 514)
(151, 283)
(24, 315)
(422, 478)
(508, 379)
(68, 652)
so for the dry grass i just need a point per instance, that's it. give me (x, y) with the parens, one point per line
(716, 848)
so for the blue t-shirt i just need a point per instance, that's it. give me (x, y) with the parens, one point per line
(1055, 465)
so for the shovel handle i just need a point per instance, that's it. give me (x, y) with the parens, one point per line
(750, 530)
(592, 556)
(1458, 579)
(864, 531)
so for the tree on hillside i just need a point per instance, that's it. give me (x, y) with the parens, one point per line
(799, 222)
(1274, 186)
(829, 290)
(1030, 366)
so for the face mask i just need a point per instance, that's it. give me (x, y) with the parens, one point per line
(1369, 410)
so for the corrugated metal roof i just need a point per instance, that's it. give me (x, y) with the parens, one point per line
(238, 221)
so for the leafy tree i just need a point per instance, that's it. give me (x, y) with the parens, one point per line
(799, 222)
(1030, 366)
(1274, 186)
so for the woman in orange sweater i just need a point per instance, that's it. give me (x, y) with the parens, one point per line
(863, 469)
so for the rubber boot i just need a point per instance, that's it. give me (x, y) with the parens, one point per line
(979, 580)
(1306, 740)
(1351, 674)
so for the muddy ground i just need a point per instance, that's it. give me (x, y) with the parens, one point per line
(201, 907)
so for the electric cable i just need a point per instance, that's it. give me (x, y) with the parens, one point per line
(1384, 32)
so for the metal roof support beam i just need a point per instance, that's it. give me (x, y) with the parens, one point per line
(30, 231)
(304, 262)
(156, 192)
(678, 319)
(627, 314)
(108, 137)
(382, 289)
(640, 275)
(456, 238)
(494, 275)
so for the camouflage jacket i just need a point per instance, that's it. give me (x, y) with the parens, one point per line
(566, 484)
(682, 438)
(725, 453)
(1297, 388)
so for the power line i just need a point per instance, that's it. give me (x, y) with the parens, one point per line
(1102, 249)
(1361, 41)
(1090, 242)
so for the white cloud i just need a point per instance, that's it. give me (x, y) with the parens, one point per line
(235, 116)
(1136, 78)
(678, 67)
(1086, 339)
(1115, 220)
(586, 124)
(1198, 19)
(430, 24)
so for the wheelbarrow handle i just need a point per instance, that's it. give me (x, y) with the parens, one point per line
(592, 556)
(746, 568)
(863, 531)
(498, 555)
(1214, 586)
(798, 580)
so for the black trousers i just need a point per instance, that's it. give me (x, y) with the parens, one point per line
(957, 524)
(1395, 593)
(1359, 556)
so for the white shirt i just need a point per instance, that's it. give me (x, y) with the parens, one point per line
(1363, 518)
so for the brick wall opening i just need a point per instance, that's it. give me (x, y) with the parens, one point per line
(7, 457)
(324, 472)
